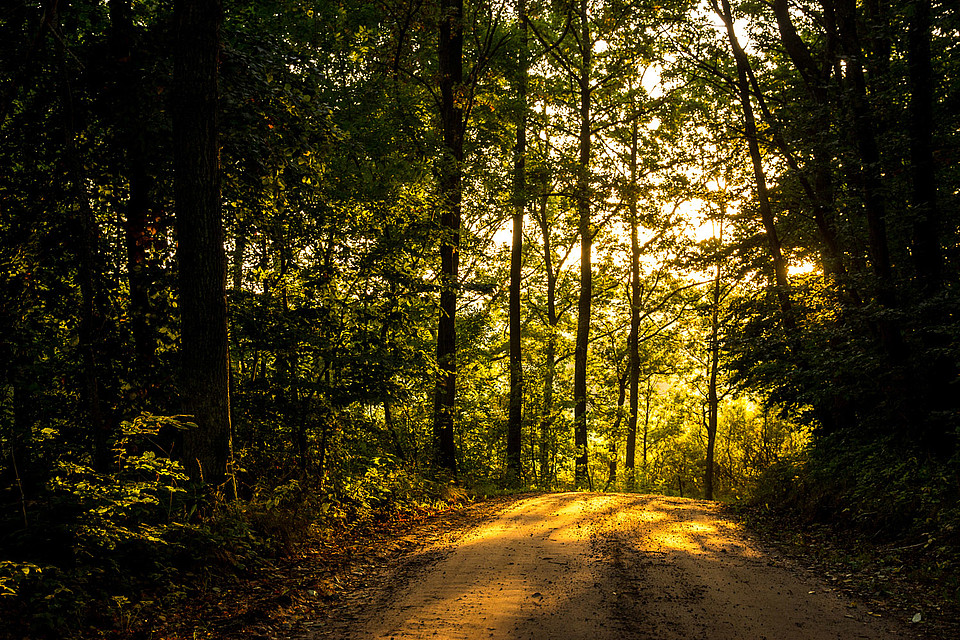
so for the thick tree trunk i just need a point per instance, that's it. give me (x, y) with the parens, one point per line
(938, 370)
(450, 52)
(633, 381)
(815, 80)
(515, 424)
(876, 20)
(581, 471)
(91, 331)
(204, 373)
(646, 424)
(866, 145)
(546, 420)
(615, 430)
(823, 215)
(813, 75)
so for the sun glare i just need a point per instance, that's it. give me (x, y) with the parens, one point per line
(803, 268)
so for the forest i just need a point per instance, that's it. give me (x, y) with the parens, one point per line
(271, 269)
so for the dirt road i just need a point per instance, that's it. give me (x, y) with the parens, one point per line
(599, 566)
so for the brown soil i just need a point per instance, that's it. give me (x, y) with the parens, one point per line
(599, 566)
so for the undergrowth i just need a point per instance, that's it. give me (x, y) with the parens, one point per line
(118, 554)
(886, 517)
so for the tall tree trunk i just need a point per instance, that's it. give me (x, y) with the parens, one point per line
(514, 427)
(815, 79)
(550, 356)
(91, 326)
(581, 471)
(875, 209)
(870, 169)
(927, 253)
(713, 405)
(138, 212)
(646, 424)
(938, 370)
(204, 352)
(285, 384)
(615, 430)
(750, 127)
(633, 341)
(89, 272)
(546, 421)
(450, 53)
(633, 382)
(879, 46)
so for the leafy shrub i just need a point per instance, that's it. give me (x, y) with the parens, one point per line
(882, 488)
(383, 487)
(91, 533)
(116, 549)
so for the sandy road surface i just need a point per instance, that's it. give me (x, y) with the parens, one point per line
(601, 566)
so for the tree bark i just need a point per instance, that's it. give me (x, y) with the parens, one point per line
(866, 143)
(633, 340)
(515, 424)
(89, 272)
(713, 404)
(138, 213)
(815, 80)
(546, 421)
(581, 471)
(550, 355)
(646, 424)
(204, 353)
(614, 431)
(450, 52)
(938, 371)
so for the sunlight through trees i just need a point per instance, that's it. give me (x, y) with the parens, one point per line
(370, 252)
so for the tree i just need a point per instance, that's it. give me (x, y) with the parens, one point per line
(204, 373)
(515, 425)
(139, 215)
(455, 100)
(716, 297)
(450, 54)
(556, 249)
(725, 13)
(578, 42)
(584, 79)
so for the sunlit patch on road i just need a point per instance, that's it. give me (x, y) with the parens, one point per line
(584, 566)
